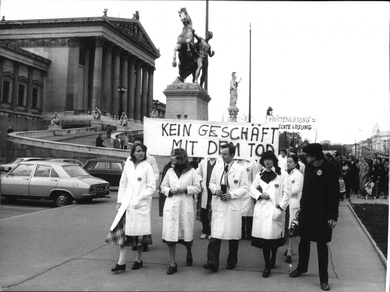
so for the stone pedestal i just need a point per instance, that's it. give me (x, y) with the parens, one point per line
(187, 101)
(233, 114)
(55, 127)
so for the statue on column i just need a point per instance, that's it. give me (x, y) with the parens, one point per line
(55, 119)
(203, 50)
(233, 90)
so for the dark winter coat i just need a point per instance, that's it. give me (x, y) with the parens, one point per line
(319, 202)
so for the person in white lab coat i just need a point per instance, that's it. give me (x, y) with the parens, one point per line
(181, 184)
(204, 170)
(296, 180)
(131, 226)
(271, 191)
(228, 184)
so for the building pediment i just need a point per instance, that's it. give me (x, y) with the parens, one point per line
(134, 31)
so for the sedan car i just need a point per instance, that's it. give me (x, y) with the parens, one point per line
(57, 181)
(8, 166)
(107, 169)
(70, 160)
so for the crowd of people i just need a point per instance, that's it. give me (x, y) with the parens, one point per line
(234, 199)
(365, 177)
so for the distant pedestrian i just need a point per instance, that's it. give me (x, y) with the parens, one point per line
(99, 141)
(132, 223)
(109, 130)
(181, 183)
(117, 142)
(319, 211)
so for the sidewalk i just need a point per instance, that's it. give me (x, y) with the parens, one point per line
(64, 249)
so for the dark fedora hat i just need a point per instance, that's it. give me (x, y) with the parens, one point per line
(314, 150)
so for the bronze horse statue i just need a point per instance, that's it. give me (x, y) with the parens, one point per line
(186, 48)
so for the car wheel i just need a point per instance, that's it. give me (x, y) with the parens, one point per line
(62, 199)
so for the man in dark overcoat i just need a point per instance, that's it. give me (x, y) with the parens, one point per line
(319, 211)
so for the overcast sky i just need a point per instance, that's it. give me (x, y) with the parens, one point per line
(327, 60)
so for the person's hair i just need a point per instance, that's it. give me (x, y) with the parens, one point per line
(272, 156)
(283, 150)
(144, 148)
(139, 139)
(294, 157)
(181, 155)
(302, 158)
(232, 148)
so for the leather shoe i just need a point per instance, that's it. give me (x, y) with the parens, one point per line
(296, 273)
(230, 267)
(210, 267)
(118, 268)
(266, 273)
(288, 259)
(189, 261)
(137, 265)
(325, 286)
(172, 270)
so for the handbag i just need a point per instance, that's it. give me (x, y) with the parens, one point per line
(293, 231)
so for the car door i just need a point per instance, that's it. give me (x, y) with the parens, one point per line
(17, 181)
(115, 169)
(44, 179)
(99, 169)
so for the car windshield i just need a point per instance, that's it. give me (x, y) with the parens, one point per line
(74, 170)
(17, 161)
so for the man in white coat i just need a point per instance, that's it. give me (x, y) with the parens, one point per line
(228, 184)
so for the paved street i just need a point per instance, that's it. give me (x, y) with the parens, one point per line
(64, 249)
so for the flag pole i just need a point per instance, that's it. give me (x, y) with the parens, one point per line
(207, 29)
(250, 73)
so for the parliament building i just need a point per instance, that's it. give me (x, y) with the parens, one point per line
(71, 66)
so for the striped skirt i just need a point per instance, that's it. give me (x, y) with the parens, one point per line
(118, 236)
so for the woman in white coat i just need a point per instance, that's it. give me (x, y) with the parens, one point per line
(181, 184)
(131, 226)
(272, 192)
(295, 178)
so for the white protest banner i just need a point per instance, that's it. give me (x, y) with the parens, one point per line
(204, 138)
(293, 123)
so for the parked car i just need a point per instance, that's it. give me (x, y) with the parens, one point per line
(9, 166)
(70, 160)
(58, 181)
(107, 169)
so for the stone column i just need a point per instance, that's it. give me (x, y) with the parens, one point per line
(150, 90)
(116, 96)
(97, 74)
(1, 76)
(144, 99)
(107, 77)
(131, 89)
(14, 99)
(85, 103)
(138, 89)
(72, 78)
(124, 82)
(29, 89)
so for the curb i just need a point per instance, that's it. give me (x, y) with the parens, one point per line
(374, 245)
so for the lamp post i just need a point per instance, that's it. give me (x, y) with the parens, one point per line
(121, 91)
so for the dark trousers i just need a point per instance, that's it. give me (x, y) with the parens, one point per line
(214, 249)
(204, 215)
(304, 254)
(246, 227)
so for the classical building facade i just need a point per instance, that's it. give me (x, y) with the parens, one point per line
(99, 62)
(72, 66)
